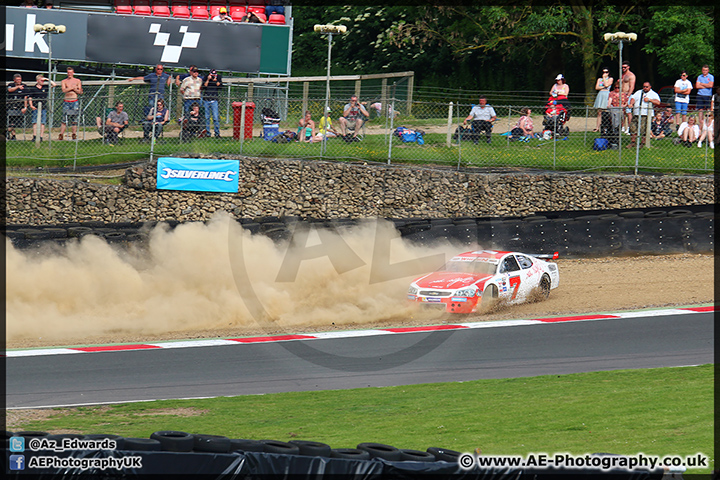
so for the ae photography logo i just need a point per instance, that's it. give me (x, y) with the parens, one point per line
(344, 259)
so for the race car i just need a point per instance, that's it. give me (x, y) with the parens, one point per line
(475, 281)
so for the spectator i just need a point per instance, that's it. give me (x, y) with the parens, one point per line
(714, 108)
(37, 98)
(322, 131)
(377, 108)
(306, 130)
(190, 89)
(353, 117)
(192, 124)
(603, 86)
(482, 116)
(251, 17)
(211, 95)
(683, 87)
(616, 104)
(275, 6)
(524, 126)
(16, 108)
(657, 130)
(560, 90)
(72, 88)
(29, 4)
(704, 85)
(222, 16)
(157, 118)
(116, 122)
(48, 4)
(708, 130)
(689, 132)
(642, 101)
(668, 121)
(628, 86)
(158, 80)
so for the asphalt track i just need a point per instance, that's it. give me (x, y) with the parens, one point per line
(361, 361)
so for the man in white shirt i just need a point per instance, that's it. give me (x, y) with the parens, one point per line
(482, 116)
(643, 101)
(683, 87)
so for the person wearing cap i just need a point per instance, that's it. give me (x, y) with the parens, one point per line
(211, 96)
(222, 16)
(560, 91)
(322, 131)
(190, 88)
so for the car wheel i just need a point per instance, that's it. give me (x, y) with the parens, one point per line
(545, 286)
(489, 298)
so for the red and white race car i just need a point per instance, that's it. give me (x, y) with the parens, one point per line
(476, 280)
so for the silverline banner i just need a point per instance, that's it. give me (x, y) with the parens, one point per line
(198, 175)
(139, 40)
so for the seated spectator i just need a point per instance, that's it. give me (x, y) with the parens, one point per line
(192, 124)
(689, 132)
(222, 16)
(668, 121)
(306, 130)
(482, 116)
(353, 117)
(251, 17)
(275, 6)
(116, 122)
(657, 128)
(708, 130)
(523, 129)
(157, 117)
(322, 132)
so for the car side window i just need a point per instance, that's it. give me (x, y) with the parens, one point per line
(525, 262)
(509, 265)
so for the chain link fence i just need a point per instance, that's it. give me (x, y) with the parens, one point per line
(396, 130)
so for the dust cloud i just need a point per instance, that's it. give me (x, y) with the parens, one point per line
(199, 276)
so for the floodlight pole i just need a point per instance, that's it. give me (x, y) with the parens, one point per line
(618, 38)
(329, 30)
(49, 29)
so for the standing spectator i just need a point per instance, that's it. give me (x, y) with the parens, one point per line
(642, 101)
(603, 85)
(306, 130)
(683, 87)
(714, 108)
(560, 90)
(211, 94)
(158, 116)
(353, 117)
(275, 6)
(190, 89)
(116, 122)
(16, 105)
(617, 102)
(482, 116)
(48, 4)
(158, 80)
(708, 130)
(628, 86)
(222, 16)
(704, 85)
(72, 88)
(689, 132)
(37, 98)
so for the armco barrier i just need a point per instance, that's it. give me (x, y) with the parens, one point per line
(675, 230)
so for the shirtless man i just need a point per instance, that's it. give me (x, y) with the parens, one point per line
(71, 87)
(628, 87)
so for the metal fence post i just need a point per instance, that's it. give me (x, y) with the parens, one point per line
(449, 125)
(391, 113)
(242, 125)
(509, 120)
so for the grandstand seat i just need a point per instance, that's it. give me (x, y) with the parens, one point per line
(180, 11)
(161, 9)
(257, 8)
(215, 10)
(261, 16)
(123, 7)
(236, 12)
(276, 19)
(199, 12)
(220, 3)
(143, 10)
(237, 2)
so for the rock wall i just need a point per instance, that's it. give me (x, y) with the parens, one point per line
(323, 189)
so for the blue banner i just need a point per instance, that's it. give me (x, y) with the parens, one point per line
(198, 175)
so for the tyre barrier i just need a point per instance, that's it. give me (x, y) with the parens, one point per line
(166, 452)
(689, 229)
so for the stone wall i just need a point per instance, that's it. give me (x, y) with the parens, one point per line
(323, 189)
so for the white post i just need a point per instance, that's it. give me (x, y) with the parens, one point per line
(449, 124)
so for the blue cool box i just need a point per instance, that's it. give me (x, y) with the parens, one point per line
(270, 131)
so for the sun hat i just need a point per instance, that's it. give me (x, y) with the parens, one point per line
(560, 77)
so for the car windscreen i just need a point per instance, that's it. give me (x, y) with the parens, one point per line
(474, 267)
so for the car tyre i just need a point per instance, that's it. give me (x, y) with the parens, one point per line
(489, 299)
(545, 286)
(445, 455)
(173, 441)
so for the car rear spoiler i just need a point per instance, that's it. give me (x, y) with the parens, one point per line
(551, 256)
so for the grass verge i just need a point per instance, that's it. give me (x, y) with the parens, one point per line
(666, 411)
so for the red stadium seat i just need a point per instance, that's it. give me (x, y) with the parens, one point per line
(237, 12)
(142, 3)
(257, 8)
(142, 10)
(160, 10)
(276, 19)
(215, 10)
(180, 11)
(219, 2)
(199, 12)
(237, 2)
(123, 7)
(261, 16)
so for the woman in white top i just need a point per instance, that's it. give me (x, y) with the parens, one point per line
(560, 90)
(708, 130)
(689, 131)
(603, 85)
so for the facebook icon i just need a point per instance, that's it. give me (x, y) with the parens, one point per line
(17, 462)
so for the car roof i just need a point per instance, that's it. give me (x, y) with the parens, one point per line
(492, 256)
